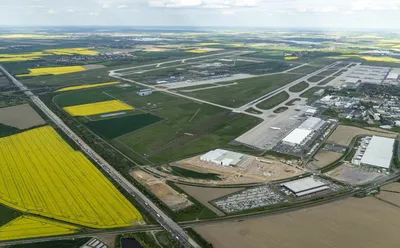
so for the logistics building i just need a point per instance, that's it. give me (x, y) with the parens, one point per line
(375, 152)
(305, 186)
(302, 133)
(223, 157)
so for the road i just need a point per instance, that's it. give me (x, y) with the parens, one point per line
(166, 222)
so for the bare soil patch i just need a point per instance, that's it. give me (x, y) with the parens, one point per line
(356, 176)
(90, 67)
(343, 134)
(252, 170)
(354, 222)
(205, 195)
(323, 158)
(392, 187)
(21, 116)
(164, 192)
(390, 197)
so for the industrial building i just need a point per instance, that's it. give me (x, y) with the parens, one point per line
(223, 157)
(303, 132)
(144, 92)
(305, 186)
(297, 137)
(375, 152)
(367, 74)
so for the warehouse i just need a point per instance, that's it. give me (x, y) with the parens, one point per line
(312, 123)
(297, 137)
(302, 133)
(379, 153)
(392, 76)
(223, 157)
(305, 186)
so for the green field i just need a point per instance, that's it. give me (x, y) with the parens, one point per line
(306, 69)
(309, 93)
(274, 101)
(315, 79)
(195, 87)
(7, 214)
(7, 130)
(188, 128)
(115, 127)
(280, 110)
(292, 102)
(327, 72)
(326, 81)
(299, 87)
(246, 89)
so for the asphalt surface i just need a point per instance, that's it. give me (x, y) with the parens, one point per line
(166, 222)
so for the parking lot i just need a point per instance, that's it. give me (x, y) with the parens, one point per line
(248, 199)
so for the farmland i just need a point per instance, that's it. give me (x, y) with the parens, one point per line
(336, 224)
(343, 135)
(121, 125)
(43, 175)
(52, 71)
(21, 116)
(88, 86)
(245, 90)
(97, 108)
(181, 133)
(32, 227)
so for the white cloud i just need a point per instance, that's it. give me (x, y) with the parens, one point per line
(93, 13)
(70, 10)
(105, 6)
(228, 12)
(51, 11)
(122, 6)
(246, 3)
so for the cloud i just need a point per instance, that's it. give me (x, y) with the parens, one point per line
(228, 12)
(93, 13)
(209, 4)
(70, 10)
(51, 12)
(105, 6)
(122, 6)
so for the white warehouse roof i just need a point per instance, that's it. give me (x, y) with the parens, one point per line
(311, 123)
(307, 184)
(379, 152)
(297, 136)
(392, 75)
(222, 157)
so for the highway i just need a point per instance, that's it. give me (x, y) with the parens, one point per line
(166, 222)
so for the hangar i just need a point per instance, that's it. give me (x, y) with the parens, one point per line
(305, 186)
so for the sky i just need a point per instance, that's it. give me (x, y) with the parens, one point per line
(366, 14)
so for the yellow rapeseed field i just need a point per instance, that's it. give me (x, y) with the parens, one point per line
(88, 86)
(32, 227)
(196, 51)
(291, 58)
(41, 174)
(6, 57)
(381, 59)
(97, 108)
(71, 51)
(208, 43)
(52, 71)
